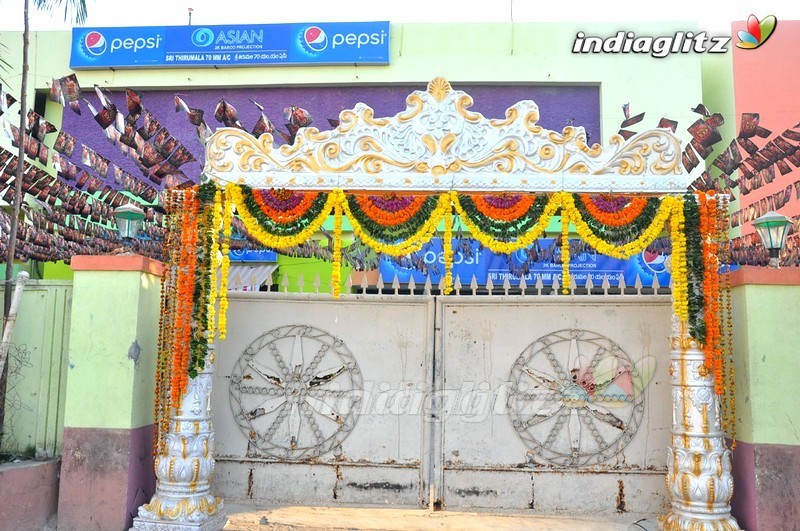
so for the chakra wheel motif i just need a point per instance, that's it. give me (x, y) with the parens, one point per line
(296, 392)
(576, 398)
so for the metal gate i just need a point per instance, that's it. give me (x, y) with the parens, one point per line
(544, 403)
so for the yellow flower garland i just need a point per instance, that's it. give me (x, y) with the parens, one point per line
(565, 276)
(336, 271)
(522, 242)
(271, 240)
(227, 229)
(215, 227)
(623, 251)
(447, 249)
(412, 244)
(680, 293)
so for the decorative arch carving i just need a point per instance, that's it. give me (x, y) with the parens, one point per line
(438, 144)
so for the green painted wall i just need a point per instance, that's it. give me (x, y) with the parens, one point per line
(38, 368)
(766, 334)
(113, 313)
(57, 271)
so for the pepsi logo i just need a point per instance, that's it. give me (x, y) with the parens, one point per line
(315, 39)
(95, 43)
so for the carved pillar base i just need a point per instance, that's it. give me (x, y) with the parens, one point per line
(699, 477)
(183, 500)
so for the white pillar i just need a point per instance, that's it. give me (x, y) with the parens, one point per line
(183, 499)
(698, 462)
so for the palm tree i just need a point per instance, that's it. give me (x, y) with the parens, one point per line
(78, 10)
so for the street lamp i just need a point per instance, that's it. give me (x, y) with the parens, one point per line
(772, 228)
(129, 220)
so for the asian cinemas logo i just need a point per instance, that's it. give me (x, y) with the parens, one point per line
(758, 31)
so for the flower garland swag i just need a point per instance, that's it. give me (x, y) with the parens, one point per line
(521, 240)
(336, 272)
(709, 232)
(670, 208)
(621, 226)
(695, 266)
(565, 276)
(503, 216)
(173, 203)
(188, 296)
(726, 322)
(398, 244)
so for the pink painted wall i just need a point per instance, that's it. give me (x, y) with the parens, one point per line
(28, 494)
(767, 81)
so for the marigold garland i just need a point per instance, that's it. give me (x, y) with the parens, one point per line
(214, 265)
(632, 210)
(522, 241)
(397, 226)
(282, 206)
(680, 304)
(384, 227)
(390, 210)
(227, 230)
(503, 226)
(626, 250)
(726, 324)
(618, 235)
(505, 207)
(711, 286)
(565, 276)
(255, 228)
(409, 245)
(447, 249)
(336, 272)
(182, 335)
(694, 268)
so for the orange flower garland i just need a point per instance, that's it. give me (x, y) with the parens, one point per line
(512, 213)
(711, 286)
(387, 218)
(182, 333)
(622, 217)
(284, 216)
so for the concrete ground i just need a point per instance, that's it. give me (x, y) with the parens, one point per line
(252, 518)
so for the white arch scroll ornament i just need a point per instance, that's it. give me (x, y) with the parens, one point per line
(437, 144)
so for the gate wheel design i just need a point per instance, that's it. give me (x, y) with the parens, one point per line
(296, 392)
(576, 398)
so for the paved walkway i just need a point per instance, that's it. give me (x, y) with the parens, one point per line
(251, 518)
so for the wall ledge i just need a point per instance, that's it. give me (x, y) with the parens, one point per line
(119, 262)
(748, 275)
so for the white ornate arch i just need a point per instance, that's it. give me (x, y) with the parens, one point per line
(437, 144)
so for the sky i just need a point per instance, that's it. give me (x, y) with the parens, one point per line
(711, 16)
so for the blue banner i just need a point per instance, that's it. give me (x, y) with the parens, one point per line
(231, 45)
(471, 259)
(253, 255)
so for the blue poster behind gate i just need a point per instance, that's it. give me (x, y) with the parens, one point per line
(471, 259)
(231, 45)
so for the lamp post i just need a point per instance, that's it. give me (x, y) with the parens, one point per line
(772, 229)
(129, 220)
